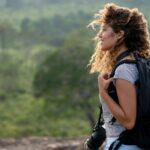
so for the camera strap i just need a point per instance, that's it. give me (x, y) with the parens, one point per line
(100, 119)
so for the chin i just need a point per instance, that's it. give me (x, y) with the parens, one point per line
(104, 49)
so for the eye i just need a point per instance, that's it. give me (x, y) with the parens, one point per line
(103, 29)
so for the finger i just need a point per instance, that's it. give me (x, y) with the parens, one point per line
(110, 79)
(106, 76)
(100, 77)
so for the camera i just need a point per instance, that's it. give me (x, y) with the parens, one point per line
(97, 138)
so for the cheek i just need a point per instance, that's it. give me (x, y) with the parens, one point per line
(109, 40)
(111, 37)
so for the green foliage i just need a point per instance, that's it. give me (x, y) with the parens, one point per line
(10, 67)
(44, 51)
(67, 67)
(26, 116)
(6, 32)
(65, 73)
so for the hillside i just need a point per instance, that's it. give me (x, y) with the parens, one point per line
(45, 85)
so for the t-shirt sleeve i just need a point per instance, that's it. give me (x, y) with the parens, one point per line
(127, 72)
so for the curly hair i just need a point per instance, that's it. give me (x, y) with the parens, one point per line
(136, 37)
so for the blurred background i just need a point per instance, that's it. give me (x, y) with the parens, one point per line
(45, 85)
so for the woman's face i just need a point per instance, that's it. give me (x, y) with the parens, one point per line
(108, 38)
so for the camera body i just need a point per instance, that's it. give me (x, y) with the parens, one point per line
(97, 138)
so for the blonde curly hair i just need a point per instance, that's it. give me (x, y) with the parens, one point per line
(136, 38)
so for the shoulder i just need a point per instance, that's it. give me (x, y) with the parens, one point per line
(127, 72)
(126, 67)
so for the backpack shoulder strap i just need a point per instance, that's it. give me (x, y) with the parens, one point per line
(122, 55)
(111, 87)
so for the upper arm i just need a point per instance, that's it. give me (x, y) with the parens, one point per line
(126, 92)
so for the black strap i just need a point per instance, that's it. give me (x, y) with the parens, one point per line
(118, 145)
(100, 115)
(100, 121)
(112, 145)
(122, 55)
(115, 145)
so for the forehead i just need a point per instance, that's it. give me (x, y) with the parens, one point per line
(106, 27)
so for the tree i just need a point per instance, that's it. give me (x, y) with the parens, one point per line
(10, 75)
(7, 35)
(65, 72)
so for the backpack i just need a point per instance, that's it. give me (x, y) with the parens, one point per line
(140, 134)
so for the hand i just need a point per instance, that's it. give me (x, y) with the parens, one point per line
(103, 82)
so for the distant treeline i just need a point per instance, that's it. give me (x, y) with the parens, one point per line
(50, 31)
(40, 3)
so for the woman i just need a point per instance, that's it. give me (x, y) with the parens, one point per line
(121, 29)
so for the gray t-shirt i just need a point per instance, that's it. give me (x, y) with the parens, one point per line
(127, 72)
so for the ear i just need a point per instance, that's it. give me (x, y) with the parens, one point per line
(120, 34)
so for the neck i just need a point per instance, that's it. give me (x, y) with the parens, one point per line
(122, 48)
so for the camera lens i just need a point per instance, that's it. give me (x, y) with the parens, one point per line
(88, 145)
(96, 140)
